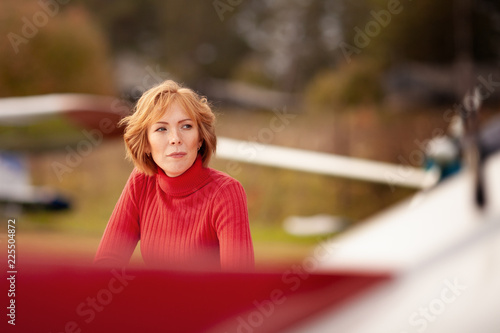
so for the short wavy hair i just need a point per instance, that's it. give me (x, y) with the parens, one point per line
(151, 107)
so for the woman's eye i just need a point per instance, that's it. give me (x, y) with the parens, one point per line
(160, 129)
(188, 126)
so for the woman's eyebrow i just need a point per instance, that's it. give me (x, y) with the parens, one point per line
(161, 122)
(180, 121)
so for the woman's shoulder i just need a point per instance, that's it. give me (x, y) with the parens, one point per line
(222, 179)
(140, 186)
(139, 176)
(140, 180)
(224, 189)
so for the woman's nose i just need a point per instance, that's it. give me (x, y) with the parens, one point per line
(174, 138)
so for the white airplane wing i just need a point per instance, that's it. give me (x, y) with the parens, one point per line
(326, 164)
(33, 107)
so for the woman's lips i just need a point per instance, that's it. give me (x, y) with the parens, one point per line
(177, 155)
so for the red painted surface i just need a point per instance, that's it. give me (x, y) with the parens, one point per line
(72, 298)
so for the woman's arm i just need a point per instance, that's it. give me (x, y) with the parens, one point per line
(233, 230)
(122, 232)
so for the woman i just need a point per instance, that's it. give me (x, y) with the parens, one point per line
(185, 214)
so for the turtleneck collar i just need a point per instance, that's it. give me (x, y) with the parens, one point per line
(191, 180)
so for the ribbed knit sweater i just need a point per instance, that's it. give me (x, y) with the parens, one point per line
(196, 220)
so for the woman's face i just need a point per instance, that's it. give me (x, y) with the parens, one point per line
(174, 141)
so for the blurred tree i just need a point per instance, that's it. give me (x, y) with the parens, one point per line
(487, 22)
(51, 48)
(292, 39)
(353, 84)
(454, 34)
(297, 40)
(423, 31)
(187, 38)
(277, 43)
(285, 42)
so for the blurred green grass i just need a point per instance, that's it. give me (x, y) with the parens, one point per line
(31, 135)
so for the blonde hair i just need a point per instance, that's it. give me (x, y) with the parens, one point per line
(151, 107)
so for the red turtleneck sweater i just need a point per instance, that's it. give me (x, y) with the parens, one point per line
(196, 220)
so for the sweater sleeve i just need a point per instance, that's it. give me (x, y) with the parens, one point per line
(122, 232)
(233, 230)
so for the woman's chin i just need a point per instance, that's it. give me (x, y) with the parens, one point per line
(175, 170)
